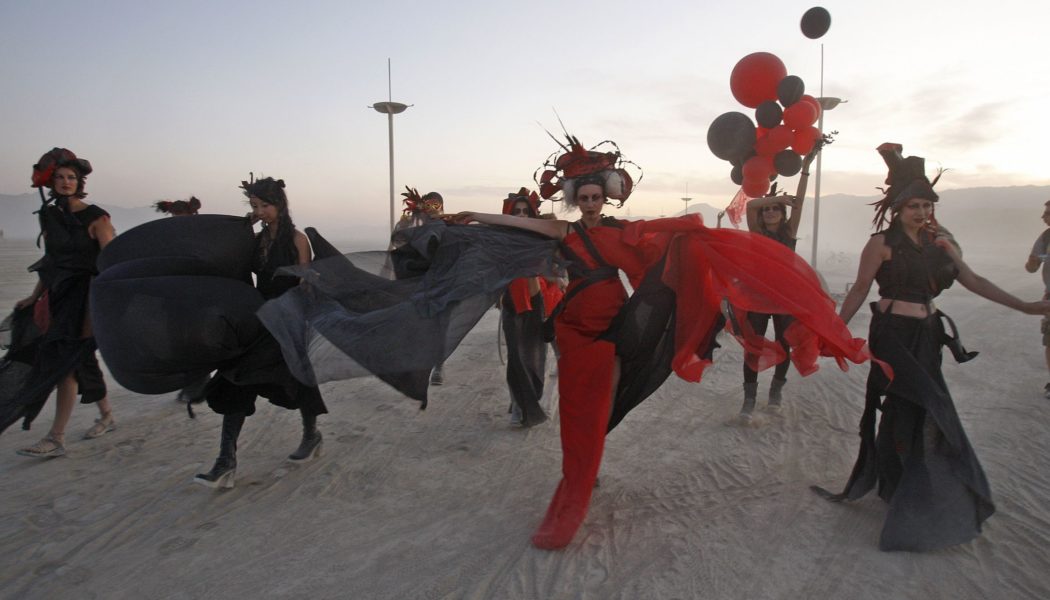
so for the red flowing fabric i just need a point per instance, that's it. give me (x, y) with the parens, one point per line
(704, 267)
(737, 207)
(519, 294)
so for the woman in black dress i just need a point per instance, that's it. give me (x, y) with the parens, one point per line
(280, 244)
(920, 457)
(74, 233)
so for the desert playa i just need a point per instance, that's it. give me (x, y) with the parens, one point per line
(440, 503)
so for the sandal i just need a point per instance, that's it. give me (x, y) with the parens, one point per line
(102, 426)
(48, 447)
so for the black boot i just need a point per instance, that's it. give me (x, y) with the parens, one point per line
(310, 446)
(221, 474)
(750, 394)
(775, 395)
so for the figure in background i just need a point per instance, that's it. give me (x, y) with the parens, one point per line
(768, 216)
(418, 211)
(178, 208)
(527, 302)
(1038, 257)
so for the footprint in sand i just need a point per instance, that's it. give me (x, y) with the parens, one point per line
(176, 544)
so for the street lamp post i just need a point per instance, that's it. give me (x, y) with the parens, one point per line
(390, 108)
(686, 200)
(826, 104)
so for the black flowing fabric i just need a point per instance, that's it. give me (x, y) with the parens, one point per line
(526, 357)
(19, 337)
(348, 322)
(921, 459)
(174, 301)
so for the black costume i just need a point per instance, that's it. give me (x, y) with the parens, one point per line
(920, 457)
(225, 397)
(760, 321)
(526, 349)
(66, 270)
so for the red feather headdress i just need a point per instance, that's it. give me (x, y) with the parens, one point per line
(575, 161)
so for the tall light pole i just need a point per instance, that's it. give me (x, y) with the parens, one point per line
(826, 104)
(686, 200)
(390, 108)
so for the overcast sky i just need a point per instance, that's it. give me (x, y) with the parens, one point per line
(169, 99)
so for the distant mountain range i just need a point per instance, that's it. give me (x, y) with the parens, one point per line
(989, 219)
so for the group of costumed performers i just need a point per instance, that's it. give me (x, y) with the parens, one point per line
(768, 216)
(613, 350)
(332, 318)
(919, 455)
(524, 307)
(54, 347)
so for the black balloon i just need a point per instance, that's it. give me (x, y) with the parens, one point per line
(816, 22)
(768, 114)
(737, 175)
(787, 163)
(731, 136)
(790, 90)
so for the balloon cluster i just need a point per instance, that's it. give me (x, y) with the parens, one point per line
(784, 114)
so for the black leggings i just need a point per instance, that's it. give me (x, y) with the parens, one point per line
(760, 322)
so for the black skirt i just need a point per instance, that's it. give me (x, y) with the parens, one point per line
(526, 357)
(920, 457)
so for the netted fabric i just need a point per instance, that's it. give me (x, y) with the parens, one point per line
(347, 321)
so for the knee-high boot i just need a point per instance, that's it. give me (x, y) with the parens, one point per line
(222, 472)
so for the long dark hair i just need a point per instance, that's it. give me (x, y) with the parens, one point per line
(271, 191)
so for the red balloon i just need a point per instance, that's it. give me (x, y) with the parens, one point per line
(755, 188)
(758, 167)
(800, 114)
(766, 147)
(760, 132)
(781, 137)
(804, 140)
(755, 77)
(816, 106)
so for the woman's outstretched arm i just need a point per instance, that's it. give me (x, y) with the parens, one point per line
(550, 228)
(986, 289)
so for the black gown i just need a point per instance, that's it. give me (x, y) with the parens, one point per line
(919, 457)
(67, 269)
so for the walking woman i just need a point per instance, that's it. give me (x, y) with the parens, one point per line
(74, 233)
(279, 244)
(920, 457)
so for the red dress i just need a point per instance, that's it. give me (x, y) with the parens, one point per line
(703, 266)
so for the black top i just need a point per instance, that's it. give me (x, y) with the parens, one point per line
(914, 272)
(270, 256)
(782, 235)
(68, 247)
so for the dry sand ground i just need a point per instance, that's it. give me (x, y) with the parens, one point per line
(441, 503)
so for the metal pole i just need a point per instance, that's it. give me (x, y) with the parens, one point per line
(816, 188)
(816, 198)
(390, 122)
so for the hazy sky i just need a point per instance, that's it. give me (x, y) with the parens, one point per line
(169, 99)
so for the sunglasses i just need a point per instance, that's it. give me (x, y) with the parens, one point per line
(433, 205)
(520, 211)
(772, 207)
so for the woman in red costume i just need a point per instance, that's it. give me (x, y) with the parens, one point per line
(697, 266)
